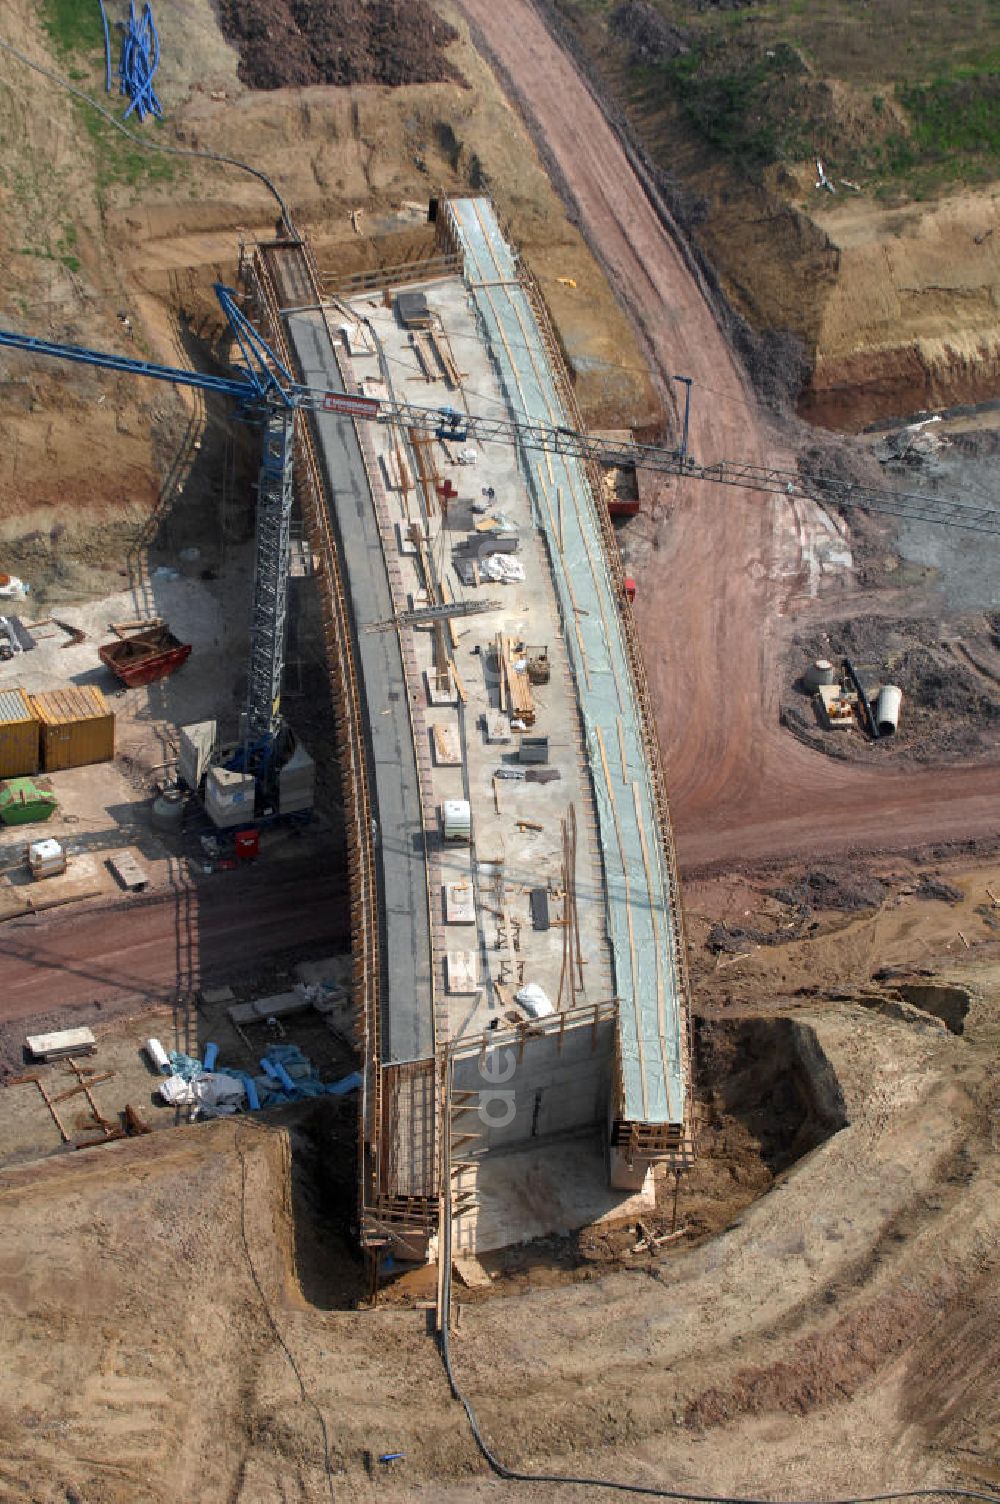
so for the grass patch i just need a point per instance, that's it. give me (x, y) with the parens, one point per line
(741, 102)
(73, 25)
(892, 96)
(119, 160)
(956, 114)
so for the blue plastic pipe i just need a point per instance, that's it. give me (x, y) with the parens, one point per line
(283, 1076)
(107, 48)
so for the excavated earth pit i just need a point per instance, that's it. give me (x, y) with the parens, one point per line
(940, 999)
(768, 1096)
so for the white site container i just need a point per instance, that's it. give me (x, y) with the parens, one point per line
(229, 797)
(456, 820)
(46, 858)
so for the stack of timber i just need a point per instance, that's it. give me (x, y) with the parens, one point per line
(515, 688)
(448, 366)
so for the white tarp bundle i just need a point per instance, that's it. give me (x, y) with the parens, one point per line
(212, 1094)
(534, 1000)
(503, 568)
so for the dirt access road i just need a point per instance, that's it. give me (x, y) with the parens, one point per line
(156, 948)
(716, 588)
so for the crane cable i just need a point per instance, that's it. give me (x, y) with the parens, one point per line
(143, 141)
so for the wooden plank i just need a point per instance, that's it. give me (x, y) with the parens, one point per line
(81, 1085)
(501, 675)
(448, 366)
(55, 1116)
(471, 1272)
(621, 750)
(424, 356)
(517, 693)
(459, 686)
(447, 746)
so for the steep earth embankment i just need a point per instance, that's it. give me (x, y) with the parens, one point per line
(888, 266)
(729, 562)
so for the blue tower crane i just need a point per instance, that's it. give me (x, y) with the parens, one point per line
(266, 392)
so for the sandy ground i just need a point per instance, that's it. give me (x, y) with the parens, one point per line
(191, 926)
(716, 587)
(838, 1335)
(191, 1333)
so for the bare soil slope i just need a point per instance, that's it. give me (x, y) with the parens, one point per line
(726, 563)
(188, 1332)
(888, 273)
(95, 232)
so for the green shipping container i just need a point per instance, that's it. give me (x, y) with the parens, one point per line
(23, 802)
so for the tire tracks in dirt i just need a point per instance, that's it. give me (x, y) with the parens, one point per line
(714, 592)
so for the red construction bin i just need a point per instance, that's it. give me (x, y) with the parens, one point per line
(247, 845)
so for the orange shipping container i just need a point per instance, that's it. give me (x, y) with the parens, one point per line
(77, 727)
(18, 735)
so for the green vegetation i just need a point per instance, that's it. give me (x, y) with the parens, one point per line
(73, 25)
(903, 97)
(119, 160)
(740, 104)
(956, 114)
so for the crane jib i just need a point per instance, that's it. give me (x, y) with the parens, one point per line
(354, 407)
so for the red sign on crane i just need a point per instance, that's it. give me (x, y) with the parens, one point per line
(354, 407)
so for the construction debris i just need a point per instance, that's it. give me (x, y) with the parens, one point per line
(60, 1044)
(287, 1075)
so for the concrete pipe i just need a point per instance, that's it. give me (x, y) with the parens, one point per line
(887, 709)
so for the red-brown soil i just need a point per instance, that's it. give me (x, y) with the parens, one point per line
(712, 596)
(295, 42)
(157, 949)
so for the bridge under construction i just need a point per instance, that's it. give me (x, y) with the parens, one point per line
(519, 960)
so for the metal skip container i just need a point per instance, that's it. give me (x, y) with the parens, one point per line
(77, 727)
(19, 735)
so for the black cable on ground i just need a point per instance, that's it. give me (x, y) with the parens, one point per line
(647, 1490)
(149, 145)
(272, 1322)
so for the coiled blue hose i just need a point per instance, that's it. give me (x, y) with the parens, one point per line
(140, 58)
